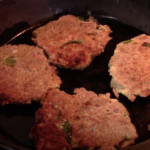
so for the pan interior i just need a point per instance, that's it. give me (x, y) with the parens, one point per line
(16, 120)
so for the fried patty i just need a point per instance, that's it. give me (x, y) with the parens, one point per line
(25, 74)
(130, 68)
(71, 42)
(84, 120)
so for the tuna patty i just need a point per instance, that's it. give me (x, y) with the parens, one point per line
(130, 68)
(71, 42)
(84, 120)
(25, 74)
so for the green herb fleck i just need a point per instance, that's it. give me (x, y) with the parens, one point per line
(127, 41)
(68, 130)
(10, 61)
(146, 44)
(117, 85)
(73, 41)
(81, 18)
(126, 115)
(59, 115)
(66, 127)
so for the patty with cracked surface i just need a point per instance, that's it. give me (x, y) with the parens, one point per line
(84, 120)
(71, 42)
(25, 74)
(130, 68)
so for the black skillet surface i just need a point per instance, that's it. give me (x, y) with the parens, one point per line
(16, 120)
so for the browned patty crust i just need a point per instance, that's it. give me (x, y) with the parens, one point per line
(130, 68)
(25, 74)
(82, 120)
(71, 42)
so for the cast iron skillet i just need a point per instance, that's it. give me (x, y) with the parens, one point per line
(16, 120)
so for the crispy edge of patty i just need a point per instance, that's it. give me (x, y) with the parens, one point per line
(25, 74)
(133, 47)
(68, 114)
(72, 50)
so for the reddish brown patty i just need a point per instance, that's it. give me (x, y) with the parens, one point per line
(83, 120)
(25, 74)
(72, 43)
(130, 68)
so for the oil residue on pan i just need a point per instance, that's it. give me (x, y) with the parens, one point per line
(17, 120)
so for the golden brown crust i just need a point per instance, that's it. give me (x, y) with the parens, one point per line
(88, 121)
(25, 74)
(72, 43)
(45, 133)
(129, 68)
